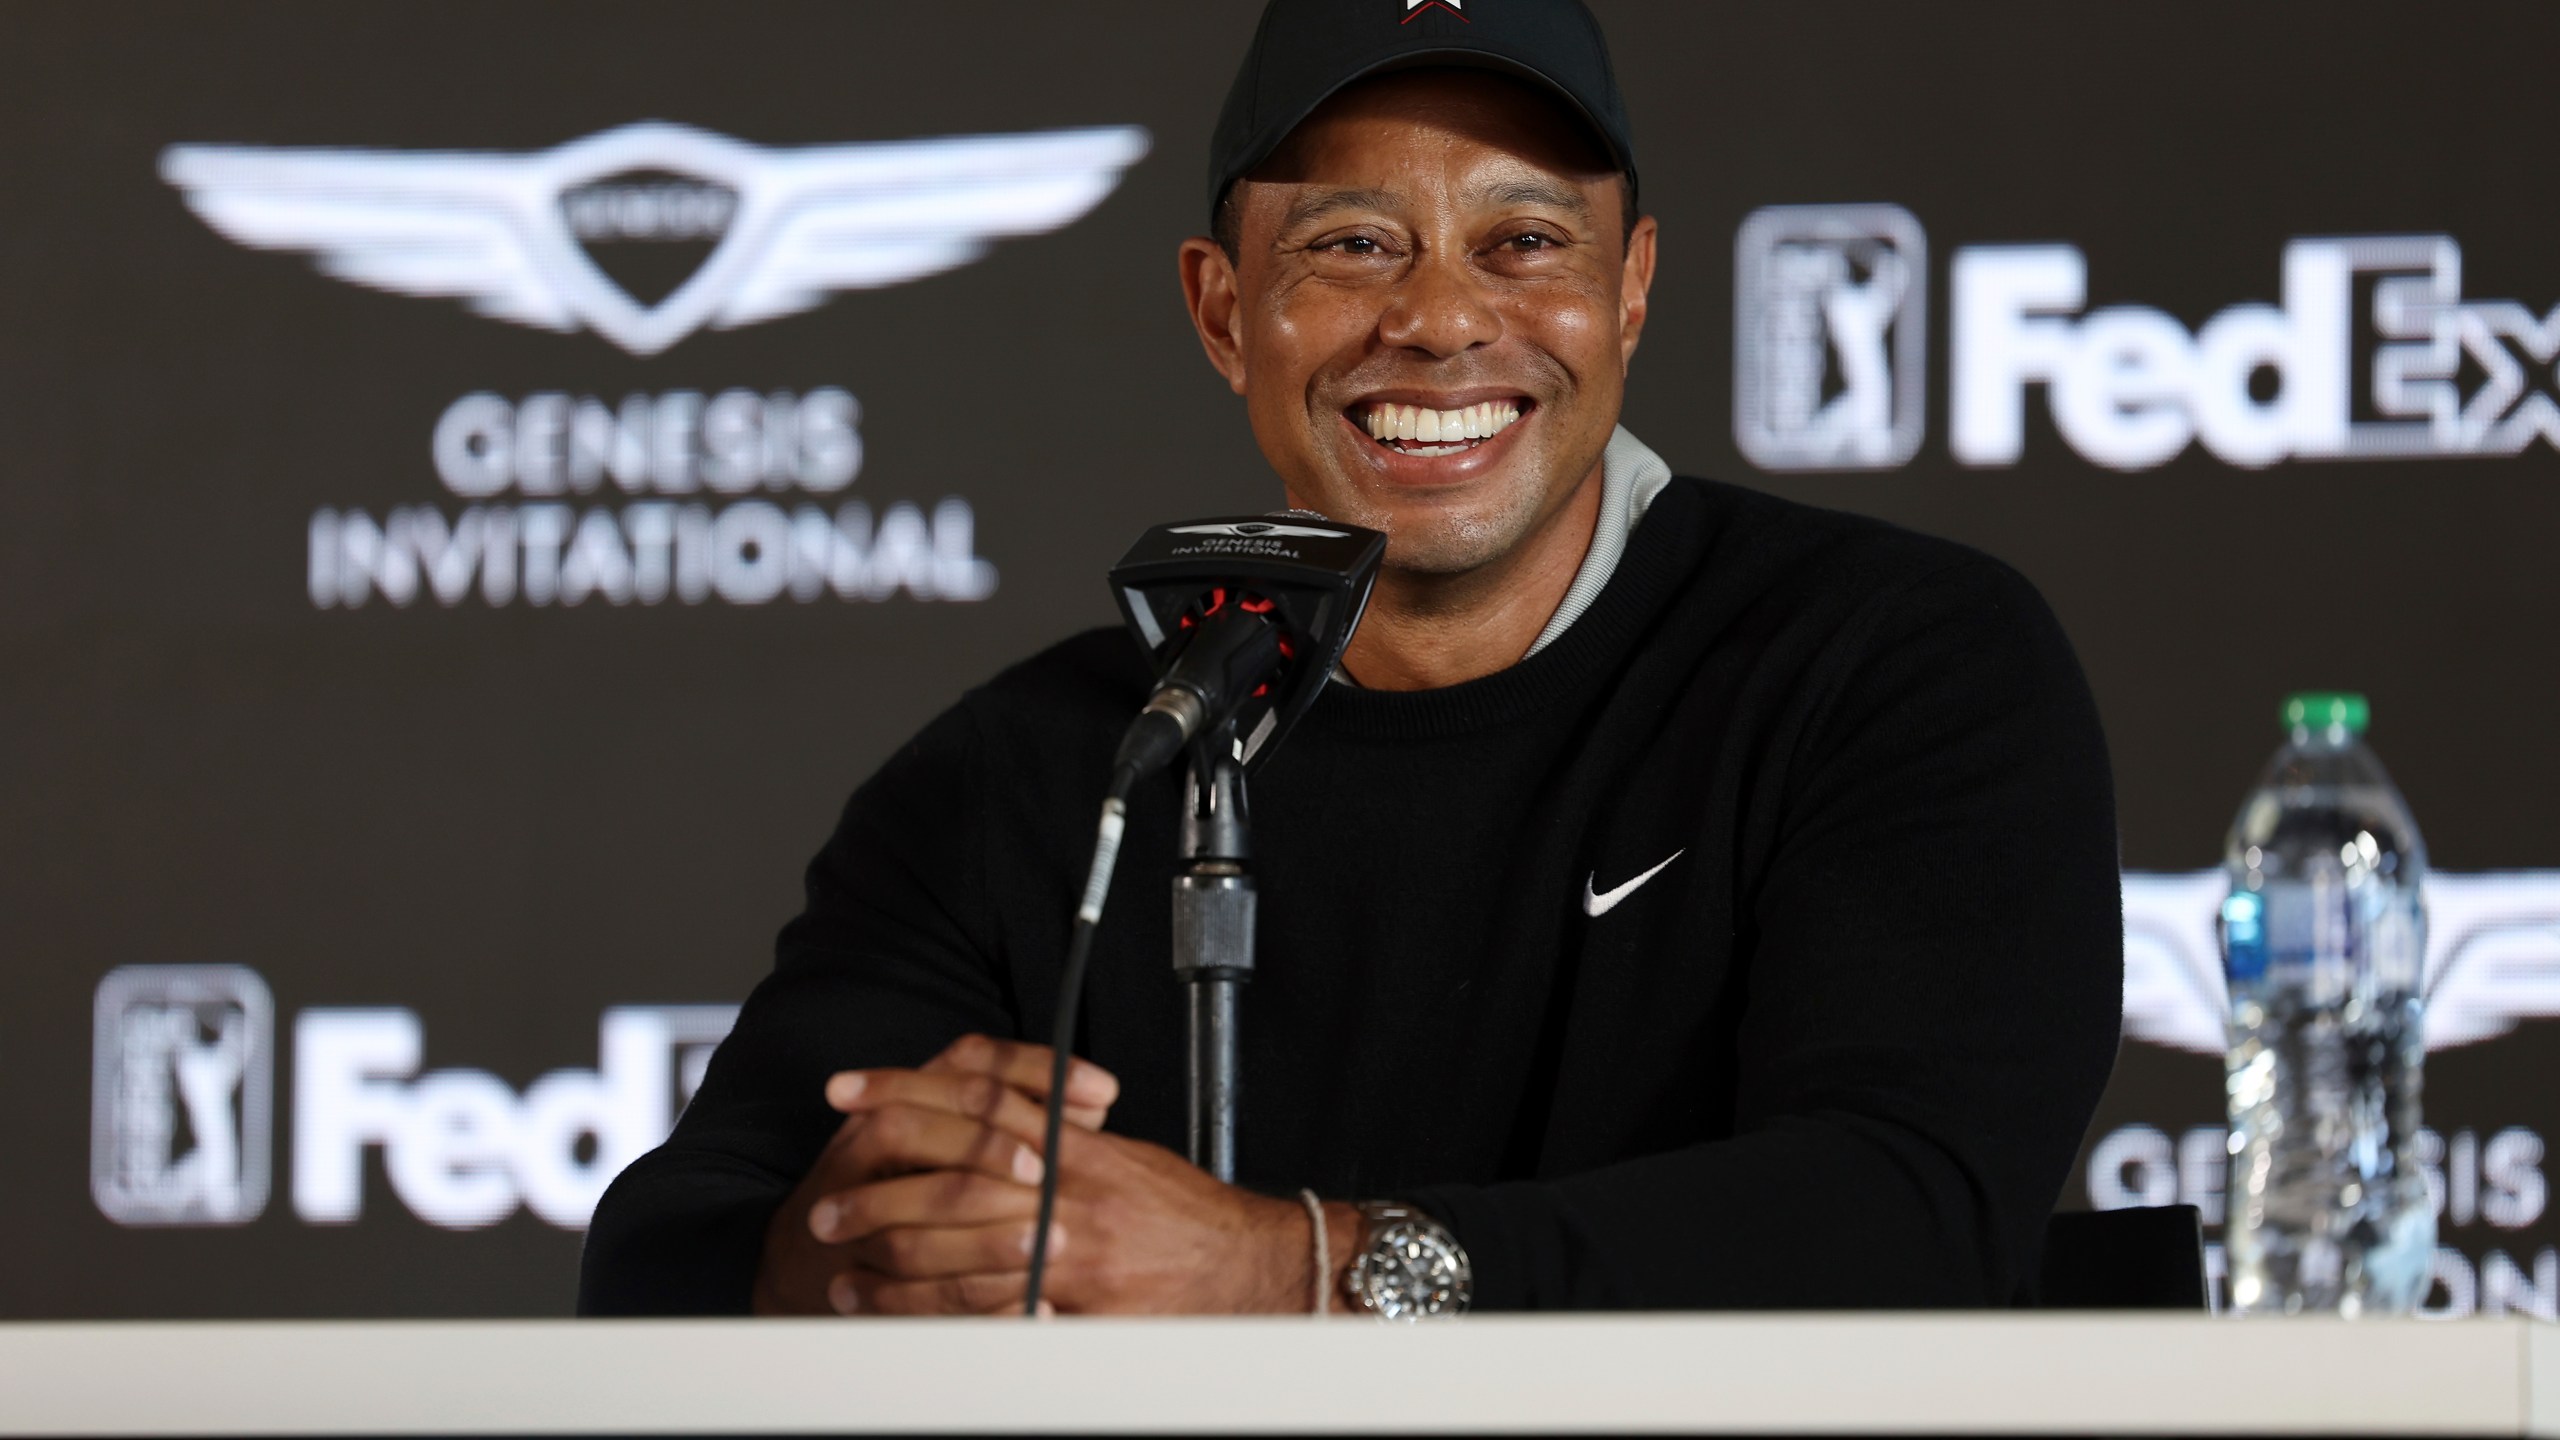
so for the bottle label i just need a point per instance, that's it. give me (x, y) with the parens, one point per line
(2244, 936)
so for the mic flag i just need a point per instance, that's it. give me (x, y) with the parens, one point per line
(1202, 595)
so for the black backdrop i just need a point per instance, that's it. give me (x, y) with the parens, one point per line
(502, 820)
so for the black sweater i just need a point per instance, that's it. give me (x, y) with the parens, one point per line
(1838, 1052)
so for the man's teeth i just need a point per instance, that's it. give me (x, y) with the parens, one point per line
(1441, 427)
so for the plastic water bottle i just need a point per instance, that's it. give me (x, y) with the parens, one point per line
(2324, 941)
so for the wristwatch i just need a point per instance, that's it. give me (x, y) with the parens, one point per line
(1409, 1266)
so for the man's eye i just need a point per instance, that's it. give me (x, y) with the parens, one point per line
(1352, 245)
(1529, 240)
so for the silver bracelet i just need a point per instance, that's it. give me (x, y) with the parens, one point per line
(1318, 1290)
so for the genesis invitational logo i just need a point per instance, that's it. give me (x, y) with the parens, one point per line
(645, 234)
(2493, 962)
(2493, 957)
(1250, 529)
(519, 237)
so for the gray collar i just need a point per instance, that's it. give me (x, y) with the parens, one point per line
(1630, 476)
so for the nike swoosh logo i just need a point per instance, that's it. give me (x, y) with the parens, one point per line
(1601, 903)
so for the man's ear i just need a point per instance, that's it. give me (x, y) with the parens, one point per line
(1209, 289)
(1635, 284)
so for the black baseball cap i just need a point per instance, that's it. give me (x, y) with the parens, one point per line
(1305, 50)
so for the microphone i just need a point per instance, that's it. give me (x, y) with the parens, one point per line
(1245, 618)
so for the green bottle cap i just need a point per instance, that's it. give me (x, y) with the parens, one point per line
(2320, 709)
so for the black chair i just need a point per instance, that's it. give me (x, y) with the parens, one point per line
(2138, 1259)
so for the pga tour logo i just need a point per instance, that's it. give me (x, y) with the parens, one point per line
(180, 1106)
(1830, 337)
(181, 1117)
(2370, 352)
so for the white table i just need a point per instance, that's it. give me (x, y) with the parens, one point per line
(1873, 1374)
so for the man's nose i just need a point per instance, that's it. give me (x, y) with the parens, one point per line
(1440, 307)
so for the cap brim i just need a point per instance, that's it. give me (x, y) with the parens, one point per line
(1463, 57)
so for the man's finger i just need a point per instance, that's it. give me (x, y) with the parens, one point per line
(982, 1097)
(937, 1197)
(1025, 1066)
(930, 1252)
(900, 1139)
(834, 1168)
(951, 1295)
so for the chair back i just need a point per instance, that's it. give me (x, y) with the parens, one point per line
(2146, 1258)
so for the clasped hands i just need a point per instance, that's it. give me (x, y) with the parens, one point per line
(925, 1200)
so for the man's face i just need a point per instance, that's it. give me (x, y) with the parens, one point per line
(1430, 312)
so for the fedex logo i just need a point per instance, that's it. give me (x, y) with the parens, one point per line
(180, 1112)
(2370, 350)
(462, 1148)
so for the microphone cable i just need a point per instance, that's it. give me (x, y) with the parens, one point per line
(1097, 885)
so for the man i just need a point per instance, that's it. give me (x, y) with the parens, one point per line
(1687, 898)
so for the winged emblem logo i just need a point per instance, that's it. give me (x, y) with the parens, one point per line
(1250, 528)
(2493, 956)
(793, 225)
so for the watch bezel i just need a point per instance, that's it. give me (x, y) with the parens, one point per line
(1384, 1290)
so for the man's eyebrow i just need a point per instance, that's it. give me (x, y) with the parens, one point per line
(1525, 191)
(1318, 203)
(1548, 193)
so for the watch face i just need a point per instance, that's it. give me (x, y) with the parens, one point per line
(1414, 1273)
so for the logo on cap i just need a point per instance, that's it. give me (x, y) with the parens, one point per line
(1830, 336)
(1417, 7)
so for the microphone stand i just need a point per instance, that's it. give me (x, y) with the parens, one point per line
(1213, 909)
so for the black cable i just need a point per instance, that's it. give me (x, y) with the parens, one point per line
(1106, 855)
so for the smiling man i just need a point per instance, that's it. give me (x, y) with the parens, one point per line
(1687, 899)
(1431, 328)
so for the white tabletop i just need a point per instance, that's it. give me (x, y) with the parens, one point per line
(1873, 1374)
